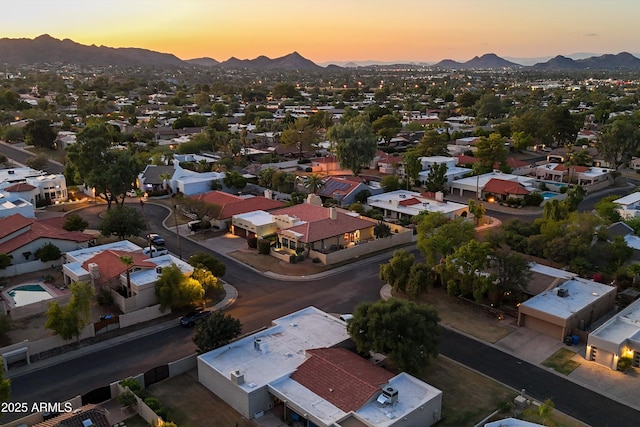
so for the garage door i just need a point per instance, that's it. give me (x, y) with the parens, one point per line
(239, 231)
(543, 327)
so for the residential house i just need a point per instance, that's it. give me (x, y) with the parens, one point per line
(21, 237)
(300, 365)
(474, 186)
(453, 171)
(567, 309)
(344, 190)
(231, 205)
(156, 178)
(48, 188)
(629, 205)
(618, 337)
(104, 268)
(403, 204)
(327, 166)
(502, 189)
(189, 182)
(519, 167)
(386, 163)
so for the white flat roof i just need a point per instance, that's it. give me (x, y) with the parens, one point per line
(624, 326)
(256, 217)
(473, 181)
(412, 393)
(286, 341)
(390, 201)
(628, 199)
(307, 400)
(148, 276)
(632, 241)
(550, 271)
(582, 292)
(81, 255)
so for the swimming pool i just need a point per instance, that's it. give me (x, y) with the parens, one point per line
(548, 194)
(29, 293)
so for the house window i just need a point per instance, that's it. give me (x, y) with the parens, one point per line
(285, 242)
(292, 244)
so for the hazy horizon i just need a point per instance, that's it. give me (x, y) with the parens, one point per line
(334, 31)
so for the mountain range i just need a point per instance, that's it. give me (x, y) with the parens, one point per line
(47, 49)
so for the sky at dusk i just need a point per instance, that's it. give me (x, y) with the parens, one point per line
(336, 30)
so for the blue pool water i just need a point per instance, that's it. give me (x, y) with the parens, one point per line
(28, 294)
(548, 194)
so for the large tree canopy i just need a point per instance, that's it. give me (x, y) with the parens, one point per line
(217, 330)
(355, 143)
(406, 332)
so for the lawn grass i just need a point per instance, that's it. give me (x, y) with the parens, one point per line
(561, 362)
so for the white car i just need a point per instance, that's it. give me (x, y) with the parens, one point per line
(154, 252)
(132, 193)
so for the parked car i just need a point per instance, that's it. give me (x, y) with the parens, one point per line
(156, 239)
(190, 319)
(346, 317)
(153, 252)
(132, 193)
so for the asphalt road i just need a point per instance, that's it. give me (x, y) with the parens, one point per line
(21, 156)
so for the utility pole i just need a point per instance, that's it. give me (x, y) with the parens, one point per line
(175, 217)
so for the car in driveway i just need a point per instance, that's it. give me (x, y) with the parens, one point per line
(156, 239)
(154, 251)
(346, 317)
(190, 319)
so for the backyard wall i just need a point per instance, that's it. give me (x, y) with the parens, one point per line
(28, 267)
(28, 310)
(369, 247)
(139, 316)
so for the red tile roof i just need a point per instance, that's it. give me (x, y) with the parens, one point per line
(21, 186)
(409, 202)
(110, 266)
(304, 212)
(46, 229)
(515, 163)
(502, 186)
(463, 159)
(234, 205)
(341, 377)
(13, 223)
(327, 227)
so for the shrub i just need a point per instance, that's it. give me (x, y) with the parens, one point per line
(293, 259)
(43, 202)
(264, 246)
(316, 260)
(157, 193)
(252, 242)
(624, 363)
(533, 199)
(564, 189)
(300, 258)
(127, 399)
(132, 384)
(104, 297)
(308, 170)
(153, 404)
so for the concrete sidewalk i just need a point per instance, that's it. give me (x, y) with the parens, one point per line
(230, 297)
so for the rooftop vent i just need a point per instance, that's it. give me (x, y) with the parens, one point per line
(260, 345)
(236, 377)
(389, 396)
(159, 270)
(563, 293)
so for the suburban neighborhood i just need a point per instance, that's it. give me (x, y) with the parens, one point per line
(339, 247)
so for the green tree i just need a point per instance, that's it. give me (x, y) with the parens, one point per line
(217, 330)
(284, 90)
(619, 141)
(521, 140)
(545, 410)
(387, 127)
(39, 162)
(40, 134)
(478, 211)
(488, 107)
(356, 143)
(68, 321)
(122, 221)
(5, 261)
(300, 134)
(412, 165)
(48, 252)
(432, 144)
(421, 277)
(314, 183)
(511, 271)
(234, 180)
(438, 237)
(265, 177)
(396, 271)
(491, 150)
(390, 183)
(437, 178)
(210, 283)
(381, 230)
(404, 331)
(608, 210)
(74, 222)
(175, 290)
(208, 261)
(562, 126)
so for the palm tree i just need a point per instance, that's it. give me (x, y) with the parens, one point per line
(165, 177)
(313, 183)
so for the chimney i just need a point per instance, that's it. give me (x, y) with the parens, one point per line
(439, 196)
(333, 213)
(236, 377)
(268, 194)
(314, 199)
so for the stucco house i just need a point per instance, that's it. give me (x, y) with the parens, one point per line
(629, 205)
(400, 204)
(102, 266)
(21, 237)
(344, 189)
(568, 308)
(616, 338)
(300, 364)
